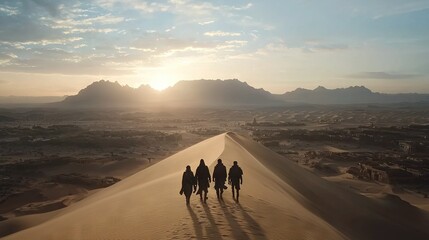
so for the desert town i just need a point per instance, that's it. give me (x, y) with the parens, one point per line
(390, 155)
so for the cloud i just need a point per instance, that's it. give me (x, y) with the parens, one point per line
(206, 22)
(382, 9)
(194, 8)
(77, 24)
(245, 7)
(23, 28)
(313, 46)
(151, 7)
(250, 22)
(6, 58)
(222, 34)
(69, 63)
(106, 19)
(144, 6)
(52, 7)
(36, 25)
(163, 44)
(400, 7)
(9, 11)
(80, 46)
(383, 75)
(201, 12)
(112, 37)
(103, 59)
(186, 7)
(79, 58)
(43, 42)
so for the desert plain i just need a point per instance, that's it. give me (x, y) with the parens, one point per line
(310, 172)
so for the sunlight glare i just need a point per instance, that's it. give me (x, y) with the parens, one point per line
(158, 85)
(161, 82)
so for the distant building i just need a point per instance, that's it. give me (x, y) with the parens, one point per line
(374, 173)
(407, 147)
(384, 174)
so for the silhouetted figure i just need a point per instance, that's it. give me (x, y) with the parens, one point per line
(203, 178)
(235, 178)
(219, 177)
(188, 182)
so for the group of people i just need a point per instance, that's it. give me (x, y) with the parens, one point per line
(202, 179)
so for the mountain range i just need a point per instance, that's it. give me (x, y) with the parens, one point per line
(225, 93)
(350, 95)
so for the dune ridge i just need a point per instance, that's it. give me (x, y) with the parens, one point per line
(278, 200)
(354, 215)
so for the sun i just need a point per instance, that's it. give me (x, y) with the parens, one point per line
(159, 85)
(161, 82)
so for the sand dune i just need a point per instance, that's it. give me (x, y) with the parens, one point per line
(279, 200)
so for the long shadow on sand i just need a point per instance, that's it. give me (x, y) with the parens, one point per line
(197, 225)
(237, 230)
(212, 230)
(241, 223)
(256, 228)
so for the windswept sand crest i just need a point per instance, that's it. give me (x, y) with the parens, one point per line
(278, 200)
(272, 198)
(354, 215)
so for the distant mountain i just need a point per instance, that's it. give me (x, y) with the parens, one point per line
(350, 95)
(224, 93)
(198, 93)
(218, 93)
(110, 94)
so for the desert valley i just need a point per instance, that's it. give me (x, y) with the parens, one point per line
(196, 119)
(97, 166)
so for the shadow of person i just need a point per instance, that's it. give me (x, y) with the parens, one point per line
(212, 229)
(196, 223)
(237, 230)
(256, 228)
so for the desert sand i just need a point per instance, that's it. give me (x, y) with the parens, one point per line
(279, 200)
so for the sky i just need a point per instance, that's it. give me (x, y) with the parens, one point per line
(57, 47)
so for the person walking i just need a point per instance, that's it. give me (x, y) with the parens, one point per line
(188, 182)
(235, 178)
(203, 177)
(219, 178)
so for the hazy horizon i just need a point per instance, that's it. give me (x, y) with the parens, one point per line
(57, 48)
(60, 97)
(109, 107)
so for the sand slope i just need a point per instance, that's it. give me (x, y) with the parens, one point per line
(279, 200)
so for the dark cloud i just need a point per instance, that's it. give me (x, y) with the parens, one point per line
(38, 7)
(52, 7)
(383, 75)
(27, 24)
(20, 28)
